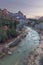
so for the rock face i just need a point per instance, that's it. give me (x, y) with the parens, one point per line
(20, 15)
(6, 14)
(3, 13)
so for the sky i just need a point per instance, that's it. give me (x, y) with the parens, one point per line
(31, 8)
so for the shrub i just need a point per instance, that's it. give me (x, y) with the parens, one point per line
(3, 35)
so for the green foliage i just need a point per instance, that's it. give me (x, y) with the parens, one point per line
(13, 32)
(15, 24)
(9, 23)
(3, 35)
(10, 32)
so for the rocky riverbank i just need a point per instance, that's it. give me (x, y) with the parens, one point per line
(36, 57)
(6, 48)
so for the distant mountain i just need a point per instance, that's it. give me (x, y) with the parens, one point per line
(9, 15)
(41, 18)
(4, 14)
(20, 15)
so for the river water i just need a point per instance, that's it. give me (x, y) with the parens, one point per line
(28, 44)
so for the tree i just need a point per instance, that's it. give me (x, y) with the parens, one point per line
(15, 24)
(3, 36)
(13, 32)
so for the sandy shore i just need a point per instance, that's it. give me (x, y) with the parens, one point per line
(35, 57)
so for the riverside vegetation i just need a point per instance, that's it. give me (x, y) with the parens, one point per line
(7, 29)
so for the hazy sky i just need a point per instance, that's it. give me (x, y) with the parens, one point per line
(30, 8)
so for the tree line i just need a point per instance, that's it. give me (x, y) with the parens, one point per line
(10, 32)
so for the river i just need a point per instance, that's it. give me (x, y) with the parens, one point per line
(28, 44)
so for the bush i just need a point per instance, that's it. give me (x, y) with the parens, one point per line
(11, 32)
(3, 36)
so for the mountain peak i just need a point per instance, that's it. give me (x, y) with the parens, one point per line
(8, 15)
(19, 12)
